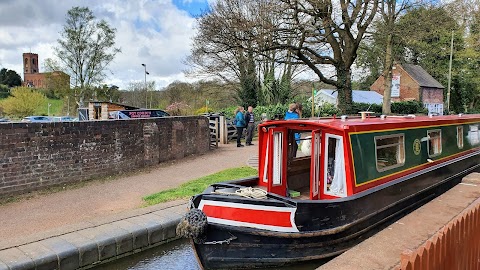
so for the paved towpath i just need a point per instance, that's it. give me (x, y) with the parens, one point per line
(99, 199)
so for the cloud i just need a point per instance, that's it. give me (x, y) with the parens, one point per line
(154, 32)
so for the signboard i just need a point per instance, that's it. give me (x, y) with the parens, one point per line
(129, 114)
(395, 86)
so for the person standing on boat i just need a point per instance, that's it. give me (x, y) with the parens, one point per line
(292, 113)
(250, 120)
(239, 124)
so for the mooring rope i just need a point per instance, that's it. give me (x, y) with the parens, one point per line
(247, 192)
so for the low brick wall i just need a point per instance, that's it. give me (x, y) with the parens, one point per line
(39, 155)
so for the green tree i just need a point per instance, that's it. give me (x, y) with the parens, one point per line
(427, 33)
(4, 91)
(23, 101)
(86, 48)
(10, 78)
(268, 89)
(247, 93)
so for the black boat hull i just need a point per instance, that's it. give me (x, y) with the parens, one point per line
(326, 228)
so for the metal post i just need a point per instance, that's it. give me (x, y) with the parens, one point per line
(146, 90)
(313, 100)
(449, 75)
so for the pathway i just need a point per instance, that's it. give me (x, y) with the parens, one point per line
(44, 213)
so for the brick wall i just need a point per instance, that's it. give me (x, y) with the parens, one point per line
(432, 95)
(409, 88)
(39, 155)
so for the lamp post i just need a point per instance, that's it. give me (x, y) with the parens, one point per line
(146, 91)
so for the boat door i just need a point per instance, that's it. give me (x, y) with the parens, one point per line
(315, 164)
(334, 176)
(276, 161)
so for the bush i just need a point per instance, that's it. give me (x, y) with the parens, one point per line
(326, 109)
(408, 107)
(178, 108)
(228, 112)
(203, 110)
(363, 107)
(271, 111)
(23, 101)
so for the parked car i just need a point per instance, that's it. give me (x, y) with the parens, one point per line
(4, 120)
(64, 119)
(36, 119)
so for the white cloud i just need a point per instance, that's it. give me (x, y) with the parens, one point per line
(153, 32)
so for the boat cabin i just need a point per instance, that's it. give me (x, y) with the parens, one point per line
(334, 158)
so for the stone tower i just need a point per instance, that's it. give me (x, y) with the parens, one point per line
(30, 63)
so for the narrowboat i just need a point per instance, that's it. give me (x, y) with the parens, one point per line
(318, 194)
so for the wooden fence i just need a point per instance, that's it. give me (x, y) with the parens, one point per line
(222, 130)
(456, 246)
(214, 124)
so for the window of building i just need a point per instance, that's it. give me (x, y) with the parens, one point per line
(434, 142)
(460, 137)
(33, 61)
(26, 61)
(390, 151)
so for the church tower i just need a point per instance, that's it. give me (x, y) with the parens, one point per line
(30, 63)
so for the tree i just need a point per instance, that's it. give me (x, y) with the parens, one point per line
(4, 91)
(248, 82)
(390, 11)
(23, 101)
(225, 47)
(86, 49)
(10, 78)
(320, 34)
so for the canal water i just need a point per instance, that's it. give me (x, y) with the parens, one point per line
(176, 255)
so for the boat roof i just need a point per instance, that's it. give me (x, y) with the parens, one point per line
(379, 122)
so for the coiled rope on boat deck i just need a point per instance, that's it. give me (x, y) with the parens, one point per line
(247, 192)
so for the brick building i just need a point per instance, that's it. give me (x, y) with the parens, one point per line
(412, 82)
(33, 78)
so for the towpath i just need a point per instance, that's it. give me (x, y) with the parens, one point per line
(99, 199)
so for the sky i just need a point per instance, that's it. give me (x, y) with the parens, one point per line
(157, 33)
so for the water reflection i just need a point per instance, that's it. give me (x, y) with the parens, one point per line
(172, 256)
(177, 255)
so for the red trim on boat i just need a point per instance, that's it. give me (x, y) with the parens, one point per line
(266, 217)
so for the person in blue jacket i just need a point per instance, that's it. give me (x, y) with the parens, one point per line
(293, 113)
(240, 124)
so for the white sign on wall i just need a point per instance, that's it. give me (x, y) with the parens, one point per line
(395, 86)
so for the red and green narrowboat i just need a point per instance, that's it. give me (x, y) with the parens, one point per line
(326, 192)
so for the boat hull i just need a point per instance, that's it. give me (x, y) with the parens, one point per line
(326, 228)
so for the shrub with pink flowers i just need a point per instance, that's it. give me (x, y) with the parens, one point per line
(178, 108)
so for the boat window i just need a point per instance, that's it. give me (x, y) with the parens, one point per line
(300, 143)
(434, 142)
(390, 151)
(277, 157)
(305, 144)
(473, 135)
(460, 137)
(335, 177)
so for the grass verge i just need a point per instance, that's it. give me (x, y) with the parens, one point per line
(196, 186)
